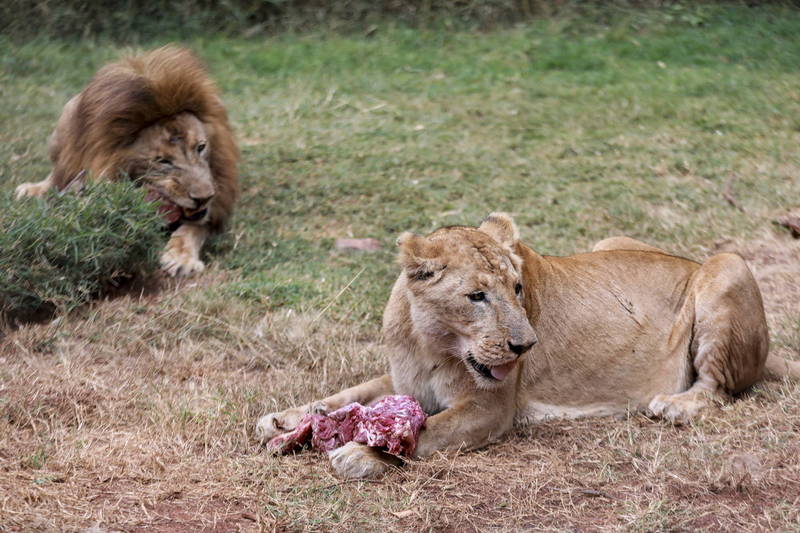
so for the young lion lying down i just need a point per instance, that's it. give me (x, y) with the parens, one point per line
(625, 327)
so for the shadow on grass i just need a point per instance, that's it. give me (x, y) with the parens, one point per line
(141, 286)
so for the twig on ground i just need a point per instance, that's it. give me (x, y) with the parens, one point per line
(592, 493)
(790, 222)
(333, 300)
(727, 193)
(348, 481)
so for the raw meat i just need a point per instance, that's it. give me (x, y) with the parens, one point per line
(169, 211)
(392, 424)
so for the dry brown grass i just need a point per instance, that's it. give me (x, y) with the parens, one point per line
(136, 415)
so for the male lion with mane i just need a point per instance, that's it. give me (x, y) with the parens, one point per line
(157, 119)
(624, 327)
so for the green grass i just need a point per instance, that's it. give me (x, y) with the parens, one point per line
(580, 129)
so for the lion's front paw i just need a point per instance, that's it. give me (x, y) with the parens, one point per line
(176, 262)
(29, 189)
(677, 408)
(274, 424)
(359, 461)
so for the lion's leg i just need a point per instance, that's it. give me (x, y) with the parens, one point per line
(35, 189)
(624, 243)
(275, 424)
(181, 256)
(468, 426)
(730, 338)
(55, 145)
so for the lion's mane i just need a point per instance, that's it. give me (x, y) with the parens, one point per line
(127, 96)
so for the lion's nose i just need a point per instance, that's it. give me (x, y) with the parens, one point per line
(201, 201)
(520, 349)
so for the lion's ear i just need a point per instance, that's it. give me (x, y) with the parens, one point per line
(419, 256)
(500, 227)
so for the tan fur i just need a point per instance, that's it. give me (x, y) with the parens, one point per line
(156, 118)
(626, 327)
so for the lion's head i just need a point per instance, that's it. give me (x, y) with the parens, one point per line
(171, 158)
(156, 118)
(465, 290)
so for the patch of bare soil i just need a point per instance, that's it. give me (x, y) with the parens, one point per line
(169, 511)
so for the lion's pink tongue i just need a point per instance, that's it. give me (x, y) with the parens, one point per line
(500, 372)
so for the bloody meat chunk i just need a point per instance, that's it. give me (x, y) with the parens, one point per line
(169, 211)
(392, 424)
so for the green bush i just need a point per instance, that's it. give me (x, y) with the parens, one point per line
(60, 251)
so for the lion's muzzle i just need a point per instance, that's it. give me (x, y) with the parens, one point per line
(522, 336)
(520, 349)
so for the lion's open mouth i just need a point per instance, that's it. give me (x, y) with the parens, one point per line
(172, 212)
(193, 215)
(495, 373)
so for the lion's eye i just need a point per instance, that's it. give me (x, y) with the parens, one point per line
(200, 147)
(518, 288)
(163, 160)
(477, 296)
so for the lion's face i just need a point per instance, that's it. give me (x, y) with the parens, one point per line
(171, 157)
(465, 290)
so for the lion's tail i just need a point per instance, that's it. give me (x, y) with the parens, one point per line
(778, 367)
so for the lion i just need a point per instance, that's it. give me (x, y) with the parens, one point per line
(157, 119)
(484, 332)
